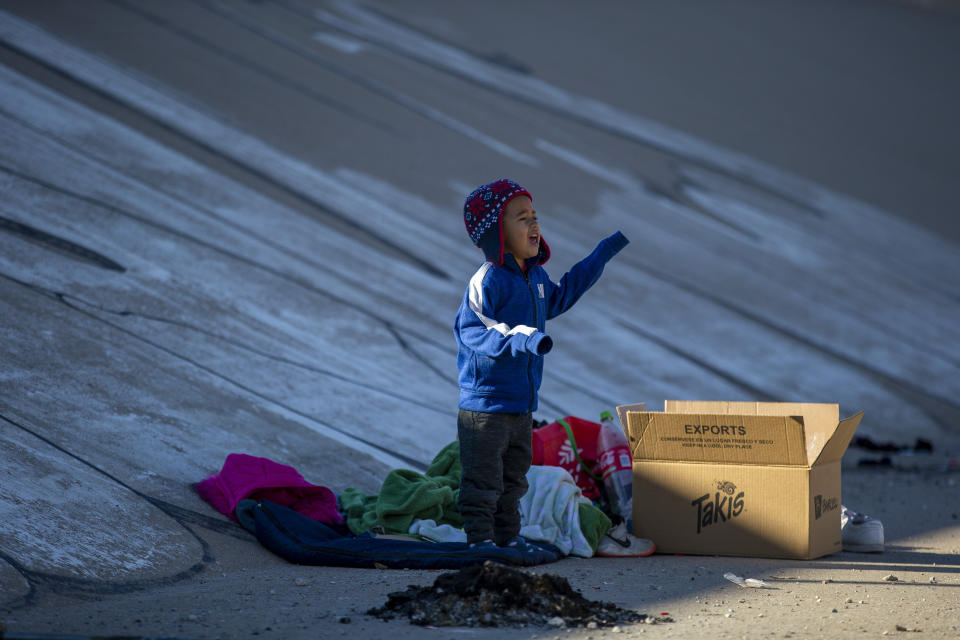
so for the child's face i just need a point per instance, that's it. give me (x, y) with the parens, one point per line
(521, 231)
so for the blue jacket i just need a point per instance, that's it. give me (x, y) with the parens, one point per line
(500, 327)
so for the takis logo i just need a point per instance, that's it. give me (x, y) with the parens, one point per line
(727, 487)
(821, 505)
(724, 506)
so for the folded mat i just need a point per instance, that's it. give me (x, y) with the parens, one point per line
(300, 540)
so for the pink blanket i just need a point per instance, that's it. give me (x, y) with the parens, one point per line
(246, 476)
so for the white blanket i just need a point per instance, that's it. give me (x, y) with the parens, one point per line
(550, 510)
(430, 530)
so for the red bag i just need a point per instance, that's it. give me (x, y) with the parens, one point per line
(552, 447)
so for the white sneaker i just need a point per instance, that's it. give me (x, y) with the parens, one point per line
(860, 532)
(617, 543)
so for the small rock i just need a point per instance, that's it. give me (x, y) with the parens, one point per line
(933, 579)
(343, 620)
(591, 625)
(616, 630)
(890, 578)
(833, 611)
(301, 582)
(556, 621)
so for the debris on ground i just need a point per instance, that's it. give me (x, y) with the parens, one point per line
(495, 595)
(890, 578)
(753, 583)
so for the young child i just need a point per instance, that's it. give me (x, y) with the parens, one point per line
(501, 343)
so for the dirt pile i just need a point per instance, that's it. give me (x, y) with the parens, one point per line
(494, 595)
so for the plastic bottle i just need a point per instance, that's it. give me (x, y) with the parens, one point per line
(616, 467)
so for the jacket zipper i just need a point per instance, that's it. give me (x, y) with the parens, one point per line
(536, 318)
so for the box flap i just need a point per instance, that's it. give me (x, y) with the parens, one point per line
(622, 413)
(819, 419)
(717, 438)
(829, 413)
(837, 445)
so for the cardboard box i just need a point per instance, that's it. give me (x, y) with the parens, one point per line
(738, 478)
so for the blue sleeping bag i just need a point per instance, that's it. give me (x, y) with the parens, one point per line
(300, 540)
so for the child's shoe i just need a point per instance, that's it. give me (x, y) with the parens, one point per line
(517, 542)
(483, 545)
(524, 553)
(859, 532)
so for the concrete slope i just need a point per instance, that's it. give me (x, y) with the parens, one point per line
(235, 227)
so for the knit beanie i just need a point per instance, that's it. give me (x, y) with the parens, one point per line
(483, 217)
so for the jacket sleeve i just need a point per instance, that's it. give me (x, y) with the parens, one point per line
(479, 329)
(583, 275)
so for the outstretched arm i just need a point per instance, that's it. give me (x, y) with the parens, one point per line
(583, 275)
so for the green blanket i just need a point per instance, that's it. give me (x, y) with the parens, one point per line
(594, 524)
(407, 495)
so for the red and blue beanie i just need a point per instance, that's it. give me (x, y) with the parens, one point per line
(483, 217)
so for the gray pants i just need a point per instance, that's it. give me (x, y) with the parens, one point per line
(495, 453)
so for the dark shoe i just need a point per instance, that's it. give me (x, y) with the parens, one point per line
(483, 545)
(517, 542)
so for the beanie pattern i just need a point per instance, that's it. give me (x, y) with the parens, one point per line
(483, 215)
